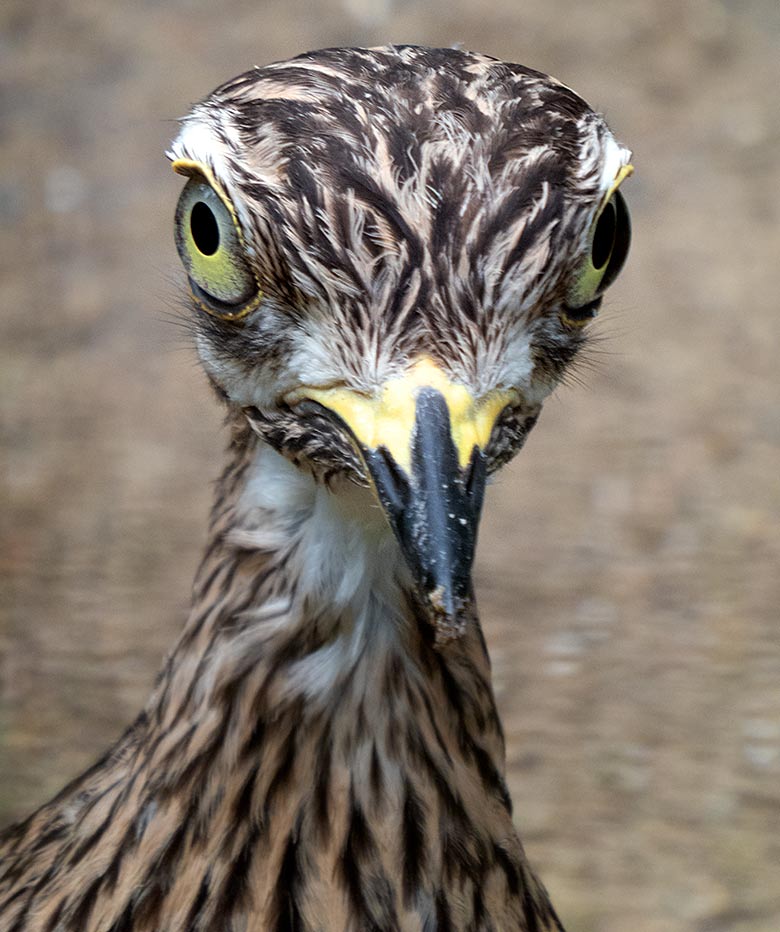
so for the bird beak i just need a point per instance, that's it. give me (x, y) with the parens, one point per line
(423, 440)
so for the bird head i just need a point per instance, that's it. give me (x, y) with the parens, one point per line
(393, 255)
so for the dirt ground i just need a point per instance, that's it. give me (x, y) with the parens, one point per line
(629, 569)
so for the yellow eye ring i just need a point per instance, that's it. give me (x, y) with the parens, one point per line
(211, 247)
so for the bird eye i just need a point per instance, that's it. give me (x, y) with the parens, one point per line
(609, 241)
(209, 243)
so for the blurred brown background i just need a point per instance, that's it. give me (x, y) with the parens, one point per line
(629, 570)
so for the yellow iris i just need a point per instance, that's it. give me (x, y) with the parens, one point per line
(210, 245)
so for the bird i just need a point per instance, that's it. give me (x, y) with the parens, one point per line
(392, 258)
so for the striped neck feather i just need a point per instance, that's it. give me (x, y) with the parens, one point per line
(307, 760)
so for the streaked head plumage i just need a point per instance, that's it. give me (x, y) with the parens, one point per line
(400, 200)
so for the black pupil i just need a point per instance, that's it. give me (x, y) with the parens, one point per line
(205, 230)
(604, 236)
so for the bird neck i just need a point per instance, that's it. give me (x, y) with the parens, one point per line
(304, 610)
(308, 681)
(308, 758)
